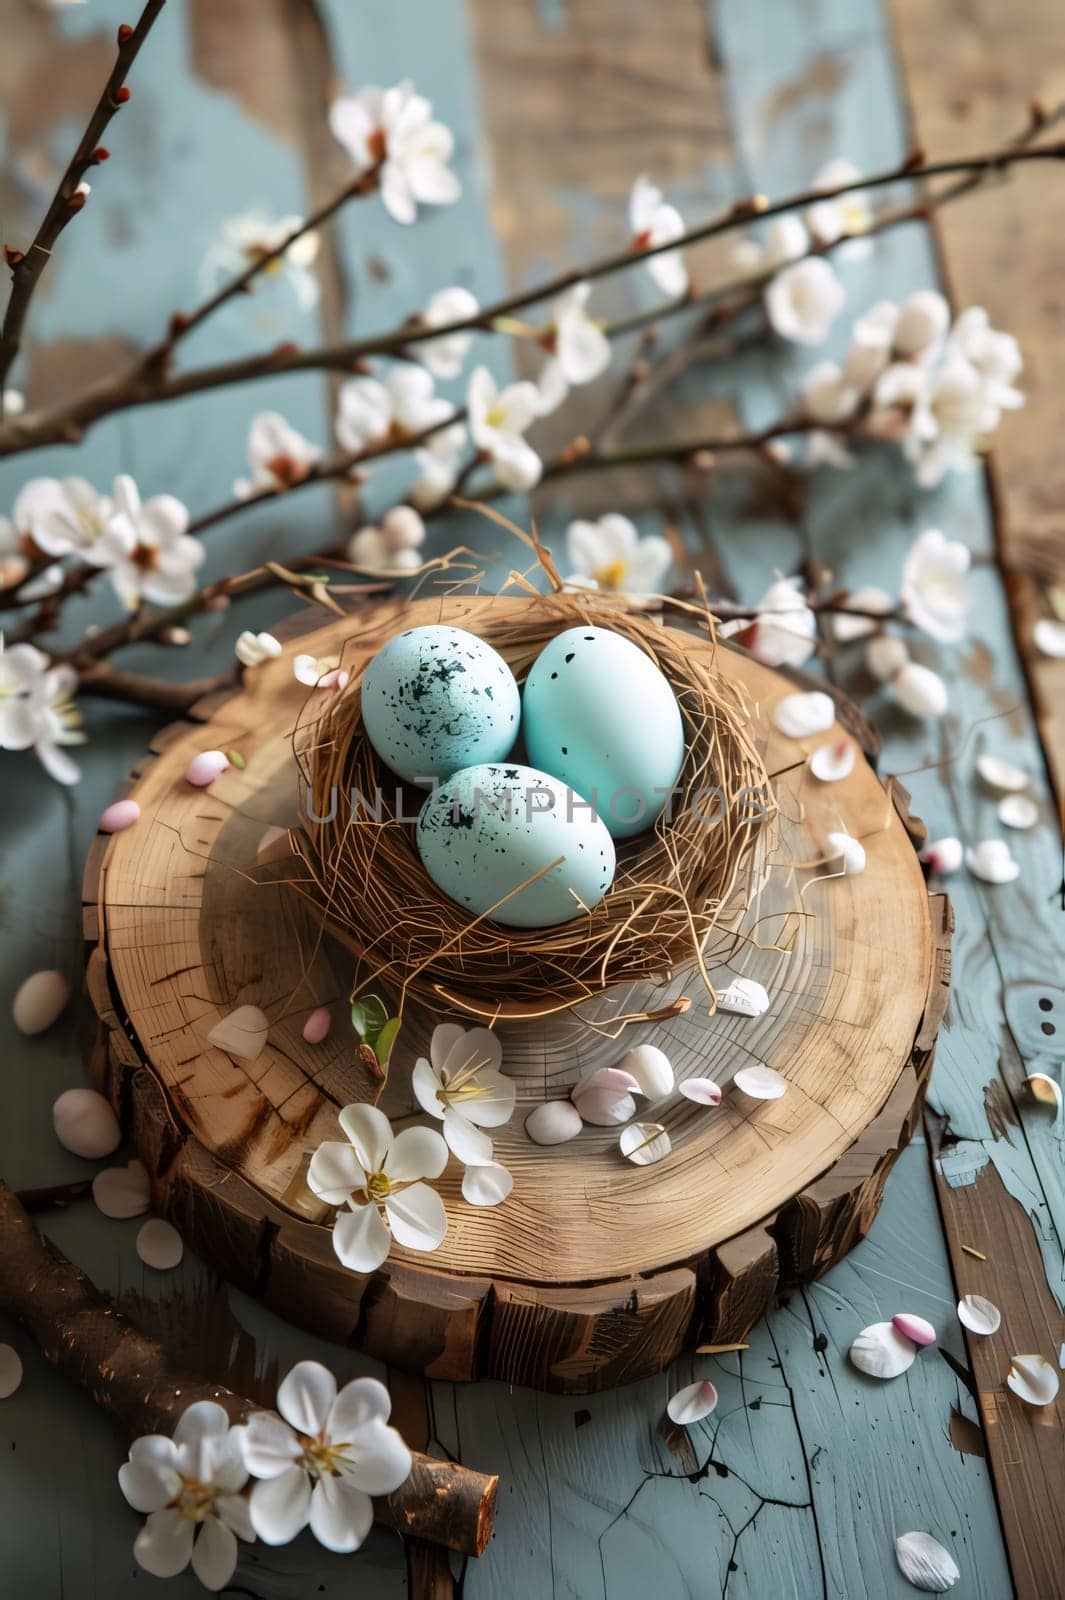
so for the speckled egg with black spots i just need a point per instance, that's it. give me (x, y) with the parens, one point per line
(491, 828)
(436, 699)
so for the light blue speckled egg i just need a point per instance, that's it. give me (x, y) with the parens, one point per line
(491, 827)
(435, 699)
(599, 715)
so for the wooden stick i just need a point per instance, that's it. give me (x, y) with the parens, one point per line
(128, 1373)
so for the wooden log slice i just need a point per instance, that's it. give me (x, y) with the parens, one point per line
(594, 1272)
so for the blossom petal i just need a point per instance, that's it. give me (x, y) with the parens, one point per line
(341, 1514)
(468, 1047)
(361, 1238)
(335, 1172)
(281, 1506)
(517, 465)
(18, 725)
(426, 1087)
(204, 1419)
(57, 763)
(370, 1133)
(417, 1216)
(149, 1478)
(361, 1402)
(381, 1459)
(305, 1396)
(270, 1446)
(417, 1153)
(164, 1544)
(470, 1145)
(214, 1555)
(487, 1184)
(494, 1105)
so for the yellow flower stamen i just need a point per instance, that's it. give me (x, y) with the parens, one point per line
(378, 1185)
(612, 576)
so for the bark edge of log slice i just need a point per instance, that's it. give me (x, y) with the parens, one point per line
(573, 1335)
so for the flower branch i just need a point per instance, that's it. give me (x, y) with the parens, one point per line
(27, 266)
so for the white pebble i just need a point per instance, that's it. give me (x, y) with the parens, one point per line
(555, 1122)
(10, 1370)
(39, 1001)
(119, 815)
(85, 1124)
(159, 1245)
(122, 1191)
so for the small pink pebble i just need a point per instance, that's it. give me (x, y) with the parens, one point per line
(120, 814)
(206, 767)
(916, 1329)
(317, 1025)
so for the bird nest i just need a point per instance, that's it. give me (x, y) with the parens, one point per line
(679, 892)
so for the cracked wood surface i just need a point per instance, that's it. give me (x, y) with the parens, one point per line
(800, 1482)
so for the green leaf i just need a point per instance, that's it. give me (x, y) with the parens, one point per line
(386, 1039)
(368, 1017)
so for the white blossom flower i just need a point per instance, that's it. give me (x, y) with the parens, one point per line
(935, 595)
(445, 356)
(871, 345)
(394, 129)
(498, 419)
(319, 672)
(322, 1463)
(149, 553)
(995, 356)
(609, 554)
(189, 1486)
(385, 1170)
(252, 649)
(37, 711)
(827, 395)
(803, 300)
(919, 690)
(579, 349)
(897, 393)
(439, 464)
(921, 327)
(461, 1085)
(251, 236)
(278, 455)
(395, 546)
(783, 240)
(784, 631)
(654, 222)
(954, 415)
(64, 516)
(844, 216)
(12, 403)
(371, 412)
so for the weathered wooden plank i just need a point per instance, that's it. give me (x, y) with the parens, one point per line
(1001, 251)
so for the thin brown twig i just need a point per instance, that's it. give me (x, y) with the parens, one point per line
(26, 268)
(68, 423)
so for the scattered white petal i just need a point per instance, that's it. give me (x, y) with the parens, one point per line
(882, 1351)
(205, 768)
(885, 656)
(122, 1191)
(252, 649)
(944, 856)
(1044, 1089)
(1018, 811)
(745, 996)
(920, 691)
(38, 1001)
(10, 1370)
(1049, 637)
(555, 1122)
(704, 1091)
(800, 715)
(692, 1404)
(979, 1315)
(488, 1185)
(760, 1083)
(916, 1329)
(651, 1068)
(850, 851)
(121, 814)
(317, 1025)
(85, 1124)
(605, 1098)
(833, 761)
(1033, 1379)
(1002, 776)
(242, 1033)
(159, 1245)
(644, 1143)
(990, 860)
(924, 1563)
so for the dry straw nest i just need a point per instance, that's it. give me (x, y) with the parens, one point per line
(679, 892)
